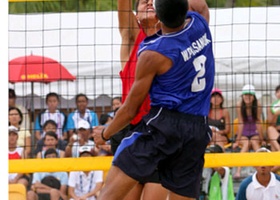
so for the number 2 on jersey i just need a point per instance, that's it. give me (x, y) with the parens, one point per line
(199, 82)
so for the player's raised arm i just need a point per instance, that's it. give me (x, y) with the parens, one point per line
(128, 27)
(201, 7)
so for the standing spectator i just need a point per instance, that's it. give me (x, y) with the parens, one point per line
(273, 120)
(85, 184)
(50, 125)
(49, 185)
(16, 153)
(51, 113)
(25, 115)
(219, 119)
(80, 139)
(116, 104)
(81, 113)
(50, 142)
(173, 136)
(24, 136)
(249, 134)
(262, 185)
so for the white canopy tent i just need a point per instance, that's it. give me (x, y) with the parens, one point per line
(246, 47)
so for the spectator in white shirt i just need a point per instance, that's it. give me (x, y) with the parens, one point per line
(85, 185)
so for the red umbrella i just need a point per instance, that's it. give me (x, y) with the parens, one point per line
(34, 68)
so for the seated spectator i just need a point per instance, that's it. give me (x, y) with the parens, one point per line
(25, 115)
(273, 120)
(49, 125)
(85, 184)
(105, 150)
(217, 182)
(250, 135)
(262, 185)
(116, 104)
(80, 139)
(51, 113)
(81, 113)
(49, 185)
(105, 119)
(50, 142)
(16, 153)
(218, 119)
(24, 136)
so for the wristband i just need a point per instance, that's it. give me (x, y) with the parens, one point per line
(102, 135)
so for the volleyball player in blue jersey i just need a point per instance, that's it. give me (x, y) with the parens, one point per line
(176, 67)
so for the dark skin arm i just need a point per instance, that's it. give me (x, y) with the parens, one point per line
(149, 64)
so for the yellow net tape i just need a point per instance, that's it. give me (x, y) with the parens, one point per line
(104, 162)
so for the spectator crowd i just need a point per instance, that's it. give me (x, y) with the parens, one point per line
(60, 135)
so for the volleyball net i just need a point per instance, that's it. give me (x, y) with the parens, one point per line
(246, 43)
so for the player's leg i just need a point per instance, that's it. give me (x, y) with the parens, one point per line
(117, 185)
(135, 192)
(173, 196)
(154, 191)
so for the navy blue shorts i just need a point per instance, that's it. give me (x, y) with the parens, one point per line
(171, 143)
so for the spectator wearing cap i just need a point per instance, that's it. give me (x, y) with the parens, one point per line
(79, 139)
(219, 119)
(217, 182)
(25, 115)
(85, 184)
(24, 136)
(49, 190)
(262, 185)
(249, 135)
(16, 152)
(81, 113)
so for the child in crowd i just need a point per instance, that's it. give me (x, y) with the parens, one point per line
(50, 125)
(51, 113)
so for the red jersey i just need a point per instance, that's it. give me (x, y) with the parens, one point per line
(128, 75)
(16, 154)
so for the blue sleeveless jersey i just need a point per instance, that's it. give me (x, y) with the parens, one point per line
(187, 86)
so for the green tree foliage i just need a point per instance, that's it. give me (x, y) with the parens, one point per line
(50, 6)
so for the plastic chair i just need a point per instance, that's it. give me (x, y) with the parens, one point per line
(17, 192)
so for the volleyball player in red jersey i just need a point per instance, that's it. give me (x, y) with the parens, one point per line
(134, 28)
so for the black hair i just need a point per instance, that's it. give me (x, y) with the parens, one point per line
(80, 95)
(277, 88)
(117, 98)
(172, 13)
(51, 151)
(254, 110)
(217, 93)
(12, 93)
(104, 118)
(50, 121)
(52, 94)
(51, 134)
(19, 112)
